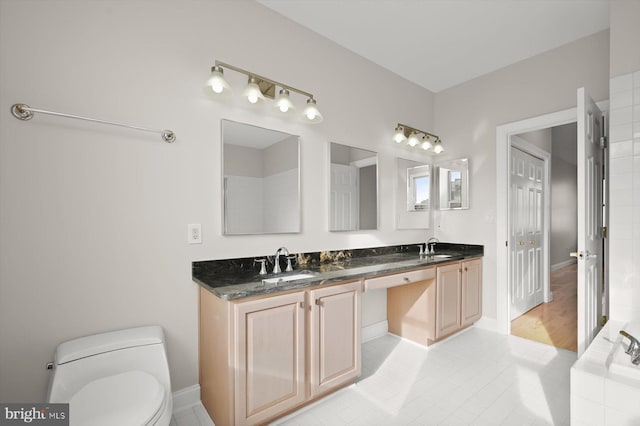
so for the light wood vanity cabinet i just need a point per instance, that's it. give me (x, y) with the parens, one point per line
(447, 300)
(262, 357)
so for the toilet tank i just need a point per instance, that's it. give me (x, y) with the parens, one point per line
(80, 361)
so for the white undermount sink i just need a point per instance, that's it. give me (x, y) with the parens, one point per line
(438, 256)
(287, 278)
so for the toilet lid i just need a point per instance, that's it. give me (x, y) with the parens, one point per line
(131, 398)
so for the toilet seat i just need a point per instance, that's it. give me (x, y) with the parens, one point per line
(133, 398)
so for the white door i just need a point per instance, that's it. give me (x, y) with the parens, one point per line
(590, 165)
(526, 233)
(345, 200)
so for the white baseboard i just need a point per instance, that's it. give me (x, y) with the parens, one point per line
(568, 262)
(186, 398)
(374, 331)
(490, 324)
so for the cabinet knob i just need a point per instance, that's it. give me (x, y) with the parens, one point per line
(302, 305)
(407, 279)
(319, 302)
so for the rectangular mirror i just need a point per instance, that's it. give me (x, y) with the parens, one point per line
(413, 194)
(261, 180)
(353, 201)
(453, 184)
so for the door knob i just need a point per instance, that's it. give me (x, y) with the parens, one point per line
(577, 254)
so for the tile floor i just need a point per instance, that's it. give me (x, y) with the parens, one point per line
(476, 378)
(192, 416)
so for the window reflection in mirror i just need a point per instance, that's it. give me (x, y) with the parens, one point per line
(413, 194)
(353, 197)
(418, 188)
(453, 185)
(261, 180)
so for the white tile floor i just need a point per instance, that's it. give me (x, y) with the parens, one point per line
(193, 416)
(477, 378)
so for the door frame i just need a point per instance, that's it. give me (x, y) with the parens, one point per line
(503, 145)
(503, 183)
(534, 151)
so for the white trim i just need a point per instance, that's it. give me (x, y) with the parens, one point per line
(560, 265)
(503, 136)
(503, 144)
(364, 162)
(486, 323)
(374, 331)
(186, 398)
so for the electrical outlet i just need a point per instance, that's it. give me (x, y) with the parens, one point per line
(194, 235)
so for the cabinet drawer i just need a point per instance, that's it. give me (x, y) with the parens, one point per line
(399, 279)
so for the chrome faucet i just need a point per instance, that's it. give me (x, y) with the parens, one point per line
(431, 243)
(634, 348)
(276, 263)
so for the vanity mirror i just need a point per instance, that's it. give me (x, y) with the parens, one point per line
(261, 180)
(413, 194)
(353, 200)
(453, 184)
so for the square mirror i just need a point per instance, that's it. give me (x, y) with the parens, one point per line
(453, 184)
(261, 180)
(353, 199)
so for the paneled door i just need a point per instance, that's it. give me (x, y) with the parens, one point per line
(526, 233)
(334, 336)
(270, 357)
(590, 249)
(345, 201)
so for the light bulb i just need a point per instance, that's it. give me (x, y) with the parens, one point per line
(216, 81)
(426, 143)
(413, 139)
(438, 147)
(311, 111)
(253, 92)
(283, 103)
(398, 135)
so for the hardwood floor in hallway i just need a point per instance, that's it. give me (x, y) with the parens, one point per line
(554, 323)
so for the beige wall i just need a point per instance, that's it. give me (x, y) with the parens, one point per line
(93, 219)
(625, 36)
(466, 117)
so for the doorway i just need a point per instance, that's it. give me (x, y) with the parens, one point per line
(551, 319)
(587, 115)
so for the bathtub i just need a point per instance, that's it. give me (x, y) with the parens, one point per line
(605, 385)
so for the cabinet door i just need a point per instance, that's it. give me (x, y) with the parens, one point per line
(270, 354)
(448, 292)
(334, 336)
(471, 291)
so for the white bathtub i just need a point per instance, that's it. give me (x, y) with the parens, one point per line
(605, 385)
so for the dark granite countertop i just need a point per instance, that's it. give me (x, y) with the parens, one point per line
(237, 278)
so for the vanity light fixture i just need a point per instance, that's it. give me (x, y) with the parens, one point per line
(259, 88)
(410, 134)
(283, 102)
(216, 81)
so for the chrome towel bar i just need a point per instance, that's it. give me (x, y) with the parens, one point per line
(25, 112)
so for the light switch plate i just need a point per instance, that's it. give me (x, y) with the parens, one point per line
(194, 235)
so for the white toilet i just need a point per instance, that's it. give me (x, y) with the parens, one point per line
(117, 378)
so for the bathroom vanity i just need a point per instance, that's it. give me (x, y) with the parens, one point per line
(268, 347)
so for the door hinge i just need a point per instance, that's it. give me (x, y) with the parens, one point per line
(603, 141)
(506, 243)
(603, 320)
(604, 232)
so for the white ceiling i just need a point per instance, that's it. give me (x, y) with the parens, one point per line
(442, 43)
